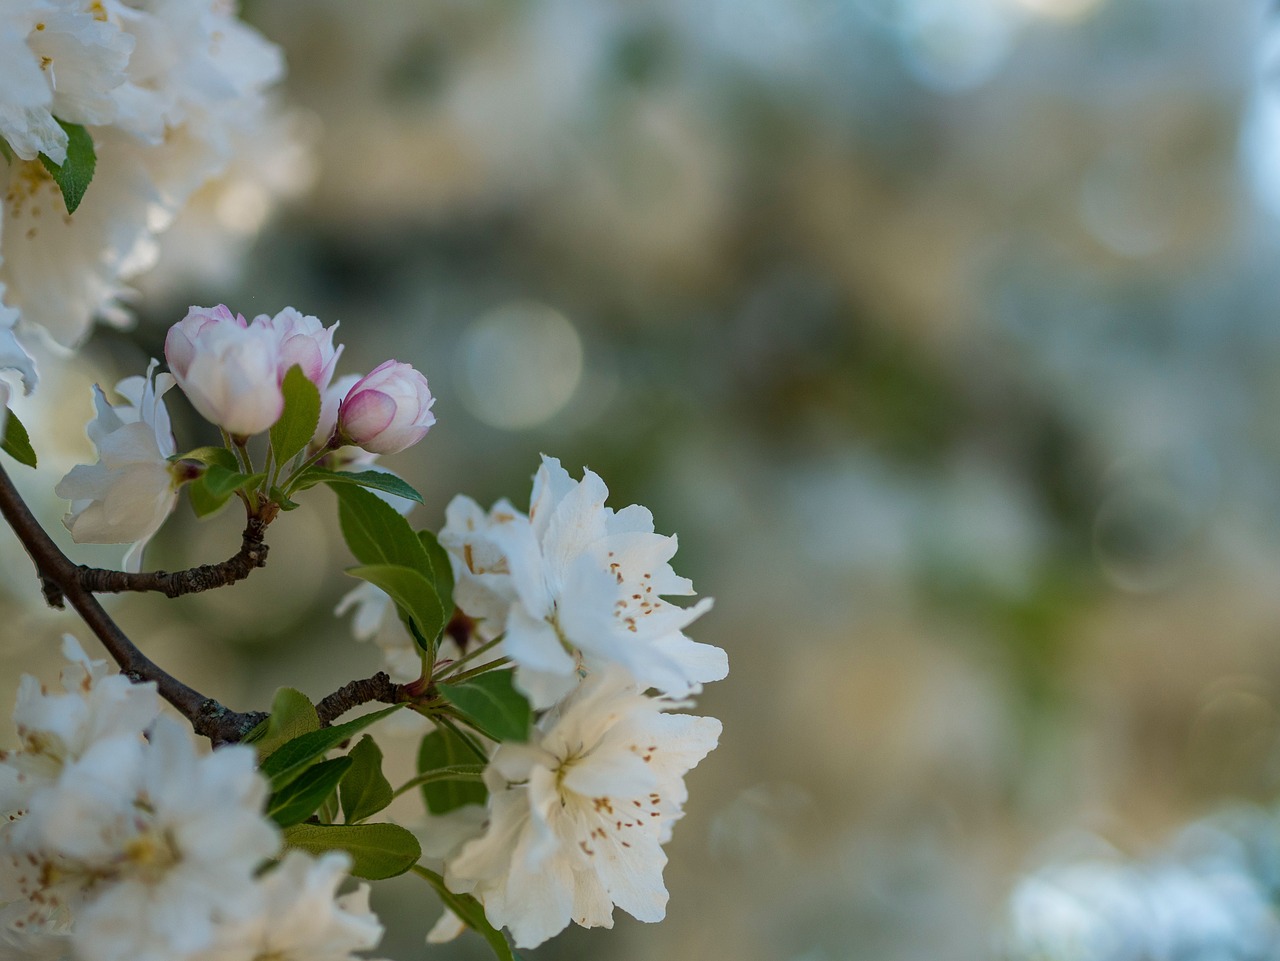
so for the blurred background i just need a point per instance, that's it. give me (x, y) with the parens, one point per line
(943, 332)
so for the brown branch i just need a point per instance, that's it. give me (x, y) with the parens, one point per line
(60, 581)
(252, 554)
(379, 688)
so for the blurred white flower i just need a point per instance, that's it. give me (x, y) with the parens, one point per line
(166, 90)
(586, 585)
(298, 917)
(59, 59)
(387, 410)
(578, 815)
(228, 369)
(129, 493)
(12, 357)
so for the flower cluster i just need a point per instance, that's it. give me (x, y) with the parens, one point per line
(233, 371)
(121, 843)
(161, 95)
(574, 594)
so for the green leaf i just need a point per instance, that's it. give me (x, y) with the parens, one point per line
(375, 532)
(16, 442)
(365, 791)
(292, 432)
(442, 749)
(289, 760)
(376, 480)
(282, 499)
(471, 913)
(412, 593)
(202, 502)
(292, 715)
(210, 455)
(441, 571)
(298, 800)
(73, 176)
(491, 704)
(220, 482)
(377, 850)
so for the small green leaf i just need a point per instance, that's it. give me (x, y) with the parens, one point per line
(73, 176)
(377, 850)
(202, 502)
(443, 749)
(365, 791)
(374, 531)
(491, 704)
(292, 432)
(292, 715)
(289, 760)
(16, 442)
(210, 455)
(298, 800)
(376, 480)
(282, 500)
(471, 913)
(221, 482)
(441, 571)
(412, 593)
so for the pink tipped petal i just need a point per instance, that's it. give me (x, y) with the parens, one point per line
(367, 413)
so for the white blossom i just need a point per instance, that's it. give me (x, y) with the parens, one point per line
(578, 815)
(12, 357)
(298, 917)
(585, 586)
(166, 90)
(129, 493)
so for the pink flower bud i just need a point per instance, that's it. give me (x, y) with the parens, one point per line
(303, 341)
(227, 368)
(387, 410)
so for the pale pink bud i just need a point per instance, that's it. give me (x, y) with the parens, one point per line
(387, 410)
(227, 369)
(303, 341)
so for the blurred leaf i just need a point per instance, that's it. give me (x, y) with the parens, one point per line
(377, 851)
(471, 913)
(443, 749)
(210, 455)
(365, 790)
(441, 571)
(492, 705)
(292, 715)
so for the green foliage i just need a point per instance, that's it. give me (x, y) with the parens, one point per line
(73, 176)
(471, 913)
(377, 850)
(215, 487)
(211, 455)
(443, 750)
(441, 571)
(17, 443)
(413, 594)
(365, 790)
(298, 800)
(291, 433)
(375, 480)
(491, 704)
(288, 761)
(374, 531)
(292, 715)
